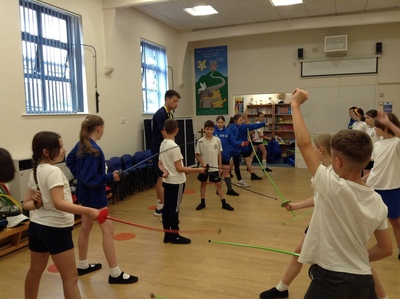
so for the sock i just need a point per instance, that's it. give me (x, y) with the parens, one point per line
(264, 163)
(159, 204)
(281, 287)
(228, 183)
(203, 201)
(83, 264)
(116, 271)
(386, 297)
(223, 201)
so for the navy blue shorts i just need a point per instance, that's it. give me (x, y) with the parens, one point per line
(212, 177)
(49, 239)
(391, 198)
(154, 153)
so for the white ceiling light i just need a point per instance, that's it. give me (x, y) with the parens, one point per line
(285, 2)
(203, 10)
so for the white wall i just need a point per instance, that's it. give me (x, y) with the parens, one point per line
(267, 63)
(261, 63)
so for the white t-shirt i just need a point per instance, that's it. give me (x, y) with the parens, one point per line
(372, 133)
(345, 216)
(258, 134)
(169, 154)
(50, 176)
(360, 125)
(209, 149)
(385, 175)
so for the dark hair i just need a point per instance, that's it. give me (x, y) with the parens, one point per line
(359, 112)
(352, 108)
(220, 117)
(171, 93)
(88, 126)
(372, 113)
(393, 118)
(260, 113)
(45, 140)
(170, 125)
(7, 169)
(355, 145)
(209, 124)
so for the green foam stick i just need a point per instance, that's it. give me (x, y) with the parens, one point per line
(256, 247)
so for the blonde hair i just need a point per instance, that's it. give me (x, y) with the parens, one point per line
(324, 141)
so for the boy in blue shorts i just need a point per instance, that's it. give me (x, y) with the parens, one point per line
(208, 152)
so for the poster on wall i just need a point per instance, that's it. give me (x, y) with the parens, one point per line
(211, 75)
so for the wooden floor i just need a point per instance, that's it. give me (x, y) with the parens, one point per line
(201, 269)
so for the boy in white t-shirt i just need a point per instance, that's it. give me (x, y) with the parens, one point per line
(173, 180)
(347, 213)
(208, 152)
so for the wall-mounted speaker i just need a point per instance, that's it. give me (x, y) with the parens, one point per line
(300, 53)
(378, 48)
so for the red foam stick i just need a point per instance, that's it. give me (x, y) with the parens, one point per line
(103, 215)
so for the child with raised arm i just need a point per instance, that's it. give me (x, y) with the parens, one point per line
(228, 143)
(87, 163)
(322, 146)
(240, 130)
(384, 176)
(171, 165)
(52, 219)
(346, 215)
(208, 152)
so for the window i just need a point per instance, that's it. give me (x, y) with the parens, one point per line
(154, 75)
(52, 59)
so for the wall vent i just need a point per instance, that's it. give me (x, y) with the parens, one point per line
(336, 45)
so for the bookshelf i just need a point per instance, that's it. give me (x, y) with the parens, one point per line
(280, 122)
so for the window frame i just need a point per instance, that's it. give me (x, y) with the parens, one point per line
(51, 86)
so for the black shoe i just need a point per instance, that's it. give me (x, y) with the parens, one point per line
(274, 293)
(167, 238)
(158, 212)
(268, 169)
(255, 177)
(200, 206)
(91, 268)
(232, 192)
(228, 207)
(180, 240)
(121, 280)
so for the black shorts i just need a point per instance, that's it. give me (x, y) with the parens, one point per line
(257, 143)
(246, 154)
(226, 162)
(154, 159)
(212, 177)
(49, 239)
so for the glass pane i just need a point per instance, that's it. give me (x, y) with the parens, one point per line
(28, 21)
(29, 55)
(54, 62)
(54, 28)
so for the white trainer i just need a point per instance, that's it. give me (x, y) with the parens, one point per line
(243, 184)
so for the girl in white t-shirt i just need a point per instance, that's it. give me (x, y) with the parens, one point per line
(359, 118)
(370, 117)
(52, 219)
(384, 177)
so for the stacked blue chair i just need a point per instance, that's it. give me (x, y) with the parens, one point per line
(141, 159)
(119, 186)
(130, 177)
